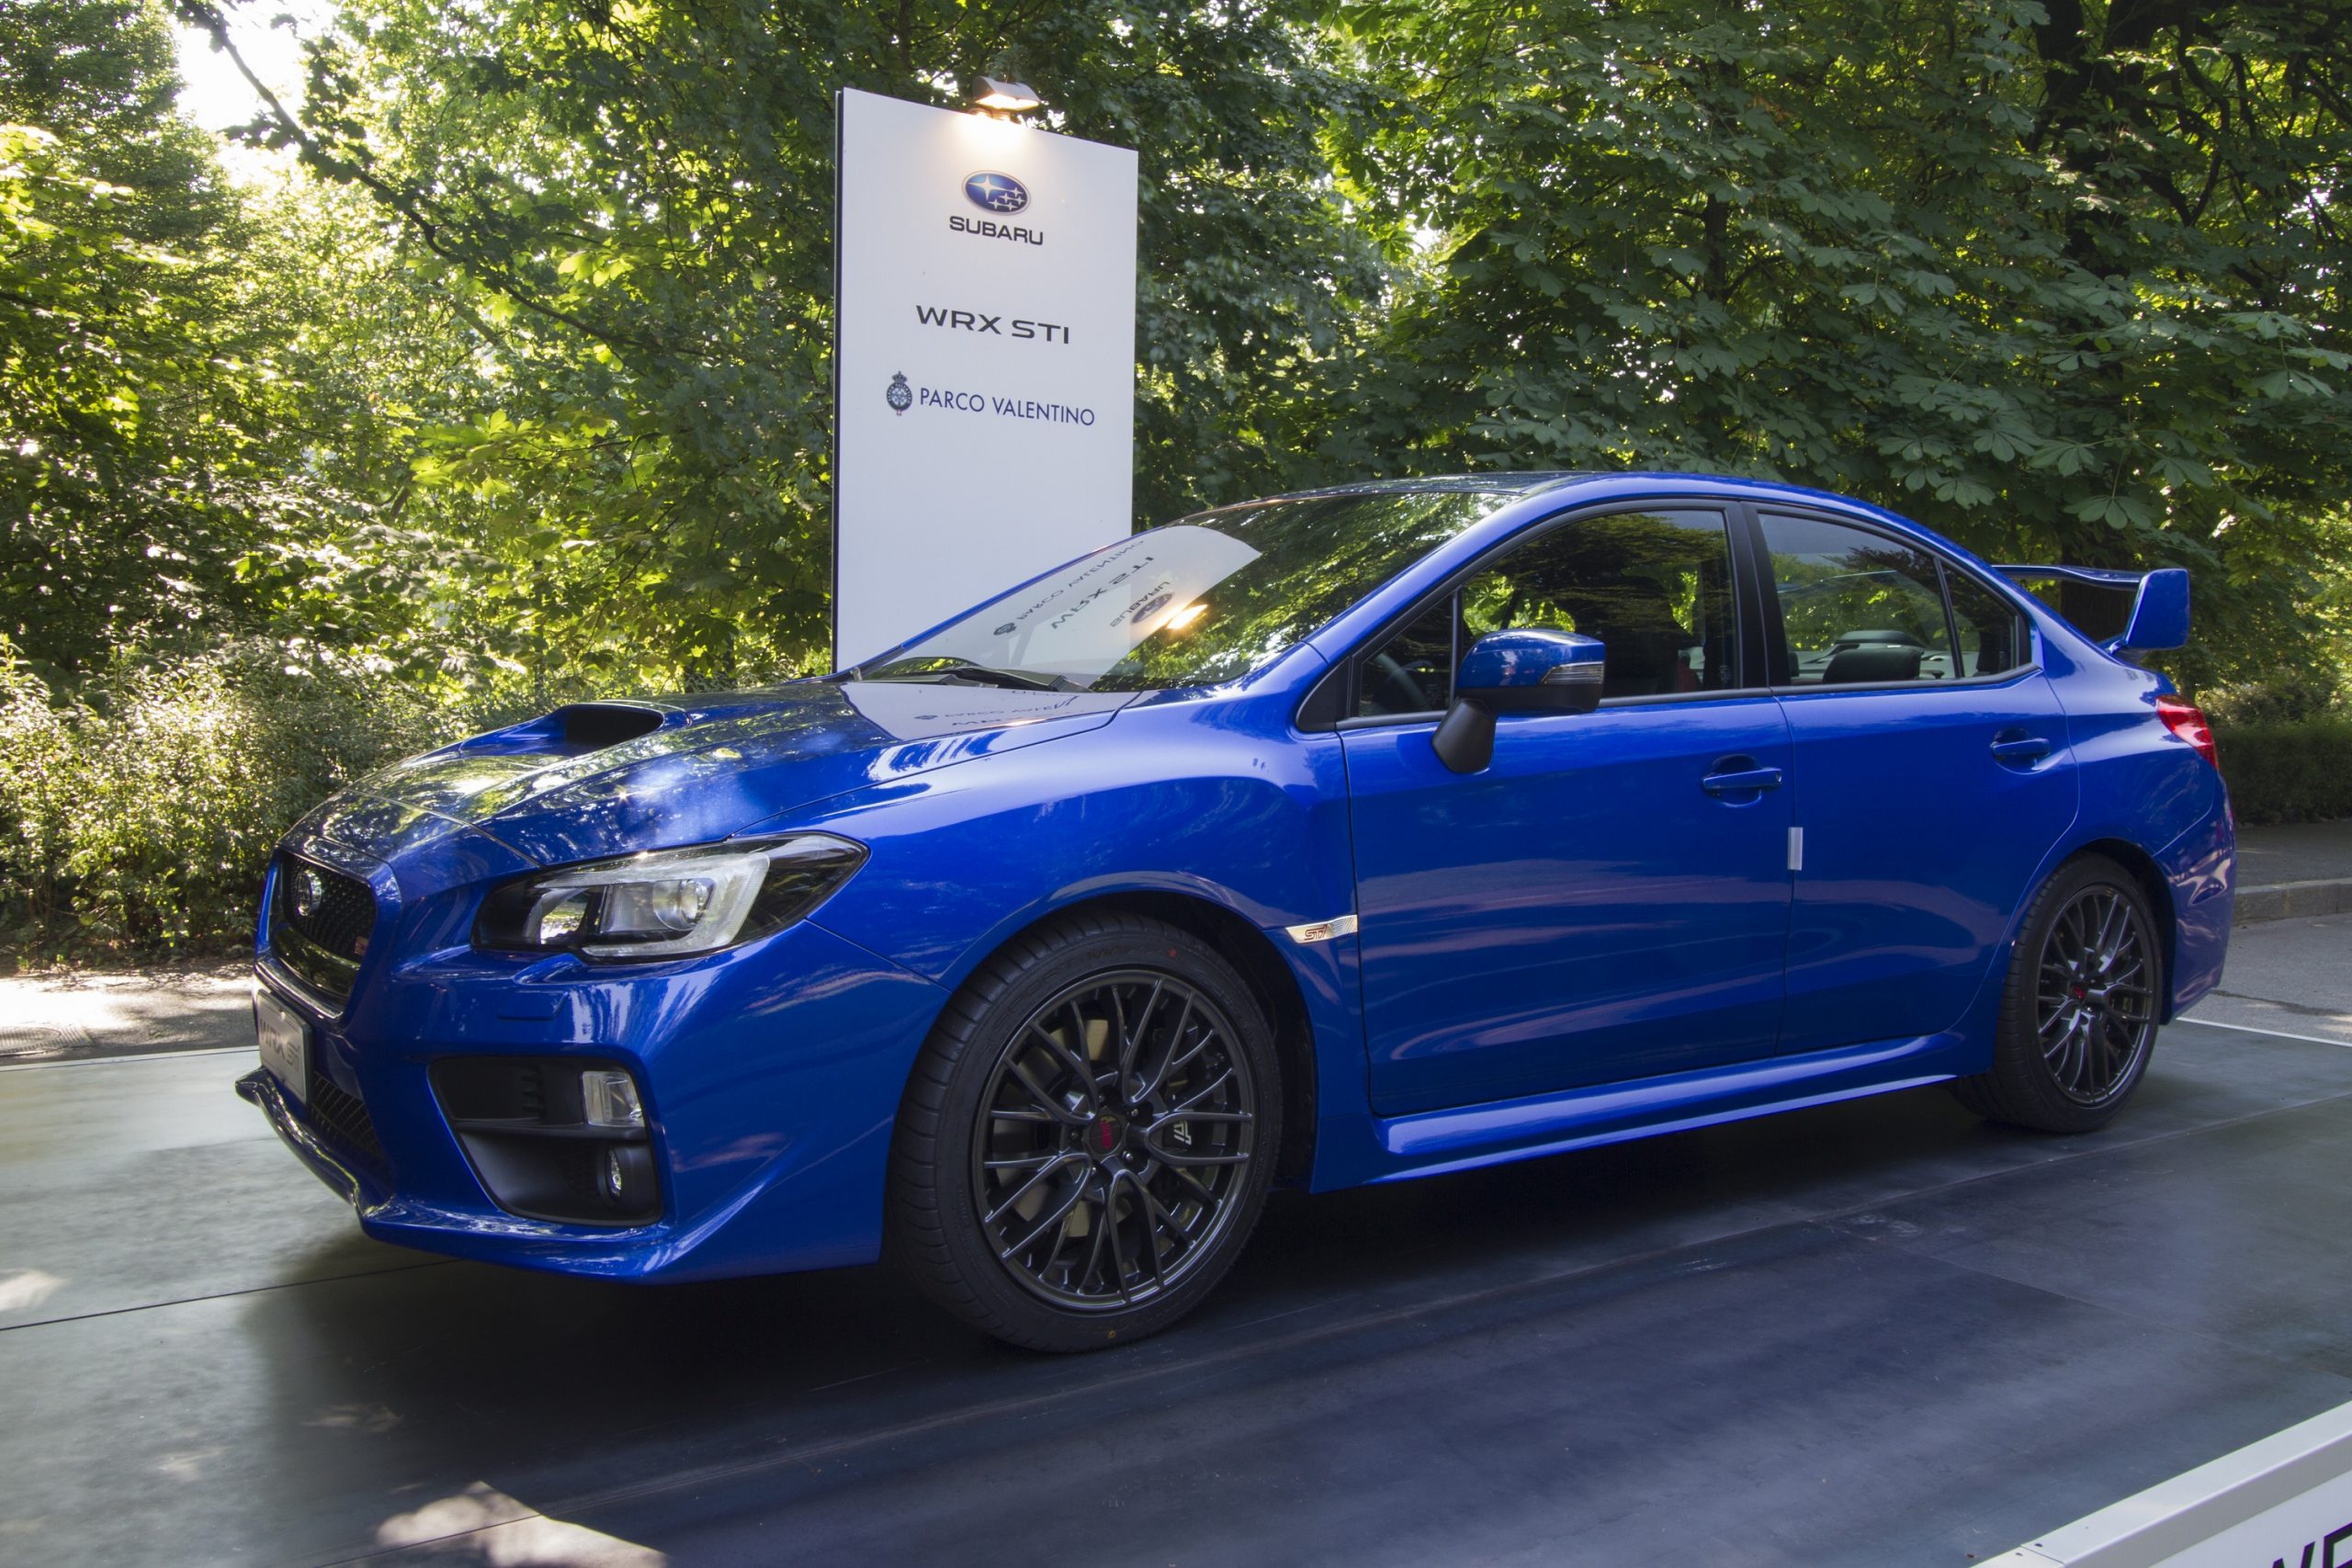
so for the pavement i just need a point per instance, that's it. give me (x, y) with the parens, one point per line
(2292, 977)
(125, 1012)
(1874, 1334)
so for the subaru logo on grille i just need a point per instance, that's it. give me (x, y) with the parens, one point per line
(996, 193)
(309, 892)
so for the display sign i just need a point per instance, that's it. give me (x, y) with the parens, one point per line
(984, 361)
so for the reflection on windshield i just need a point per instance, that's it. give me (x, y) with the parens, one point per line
(1193, 603)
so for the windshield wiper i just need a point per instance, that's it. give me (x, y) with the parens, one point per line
(987, 675)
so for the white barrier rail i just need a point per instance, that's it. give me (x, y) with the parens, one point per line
(2284, 1502)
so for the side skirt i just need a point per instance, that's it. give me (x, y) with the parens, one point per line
(1429, 1142)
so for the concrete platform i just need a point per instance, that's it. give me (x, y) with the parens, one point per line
(1878, 1334)
(2294, 976)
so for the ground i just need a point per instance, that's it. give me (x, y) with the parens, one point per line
(1876, 1334)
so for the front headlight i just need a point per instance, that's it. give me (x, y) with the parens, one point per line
(669, 903)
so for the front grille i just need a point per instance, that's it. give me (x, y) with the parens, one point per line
(320, 923)
(342, 1116)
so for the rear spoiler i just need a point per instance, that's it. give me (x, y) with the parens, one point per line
(2159, 613)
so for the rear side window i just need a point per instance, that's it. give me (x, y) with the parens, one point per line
(1857, 608)
(1993, 635)
(1655, 587)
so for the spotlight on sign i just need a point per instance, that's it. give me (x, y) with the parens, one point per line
(1006, 97)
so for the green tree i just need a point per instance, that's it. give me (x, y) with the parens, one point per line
(2061, 281)
(129, 407)
(629, 212)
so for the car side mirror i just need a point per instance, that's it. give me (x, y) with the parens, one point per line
(1526, 671)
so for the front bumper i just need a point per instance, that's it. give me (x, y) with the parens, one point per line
(771, 1077)
(260, 1088)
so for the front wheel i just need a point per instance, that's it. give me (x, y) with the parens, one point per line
(2078, 1014)
(1087, 1140)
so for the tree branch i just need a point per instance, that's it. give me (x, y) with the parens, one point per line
(431, 229)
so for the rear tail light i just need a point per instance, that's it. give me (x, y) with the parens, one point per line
(2188, 721)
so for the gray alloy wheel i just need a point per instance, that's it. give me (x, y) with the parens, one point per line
(2079, 1013)
(1087, 1140)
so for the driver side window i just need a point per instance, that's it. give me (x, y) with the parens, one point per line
(1413, 671)
(1655, 587)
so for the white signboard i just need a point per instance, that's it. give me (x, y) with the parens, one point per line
(984, 362)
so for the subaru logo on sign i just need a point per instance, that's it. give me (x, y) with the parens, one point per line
(996, 193)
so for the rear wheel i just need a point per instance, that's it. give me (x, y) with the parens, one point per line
(1087, 1140)
(2078, 1014)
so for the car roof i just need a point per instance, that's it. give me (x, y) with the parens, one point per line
(1533, 481)
(1559, 485)
(1525, 497)
(1474, 484)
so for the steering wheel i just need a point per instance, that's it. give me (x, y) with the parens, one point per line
(1397, 692)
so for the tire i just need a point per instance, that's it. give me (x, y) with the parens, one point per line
(2079, 1010)
(1106, 1066)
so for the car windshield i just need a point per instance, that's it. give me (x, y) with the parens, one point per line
(1195, 602)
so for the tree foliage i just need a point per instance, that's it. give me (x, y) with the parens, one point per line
(513, 385)
(522, 379)
(627, 209)
(128, 410)
(526, 375)
(2062, 279)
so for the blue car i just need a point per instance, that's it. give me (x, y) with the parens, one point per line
(1339, 838)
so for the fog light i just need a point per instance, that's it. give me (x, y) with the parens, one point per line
(608, 1098)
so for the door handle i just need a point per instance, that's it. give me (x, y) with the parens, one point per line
(2021, 748)
(1742, 782)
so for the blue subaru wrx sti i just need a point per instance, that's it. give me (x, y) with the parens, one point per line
(1333, 839)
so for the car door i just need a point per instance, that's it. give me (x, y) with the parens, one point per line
(1609, 897)
(1932, 776)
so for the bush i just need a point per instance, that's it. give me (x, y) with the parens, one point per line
(136, 820)
(2289, 772)
(2288, 696)
(137, 814)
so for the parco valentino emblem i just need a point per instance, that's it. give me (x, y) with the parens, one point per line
(900, 396)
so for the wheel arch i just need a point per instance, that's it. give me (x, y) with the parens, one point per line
(1263, 968)
(2154, 886)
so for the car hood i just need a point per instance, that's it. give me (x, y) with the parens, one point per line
(615, 778)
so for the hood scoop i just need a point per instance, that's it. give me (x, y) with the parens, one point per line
(573, 731)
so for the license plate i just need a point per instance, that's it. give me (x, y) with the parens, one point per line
(285, 1043)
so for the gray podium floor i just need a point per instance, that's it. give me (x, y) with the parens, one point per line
(1875, 1333)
